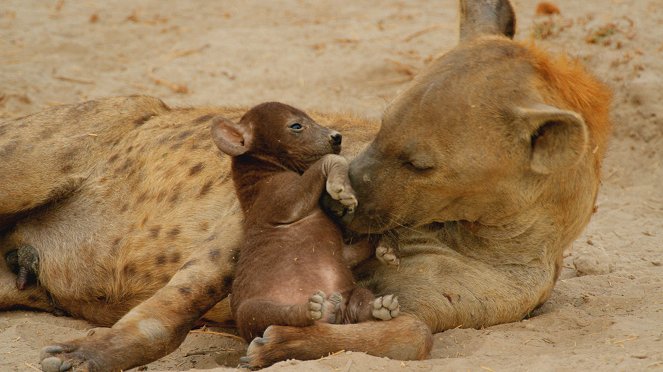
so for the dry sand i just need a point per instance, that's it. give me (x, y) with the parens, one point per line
(355, 56)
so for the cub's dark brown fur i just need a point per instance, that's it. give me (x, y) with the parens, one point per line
(292, 253)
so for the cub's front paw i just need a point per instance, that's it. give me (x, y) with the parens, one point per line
(386, 307)
(339, 188)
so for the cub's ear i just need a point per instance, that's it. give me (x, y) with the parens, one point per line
(486, 17)
(231, 138)
(558, 138)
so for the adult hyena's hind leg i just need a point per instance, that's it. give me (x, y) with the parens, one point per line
(48, 155)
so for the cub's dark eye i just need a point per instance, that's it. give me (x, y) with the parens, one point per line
(296, 127)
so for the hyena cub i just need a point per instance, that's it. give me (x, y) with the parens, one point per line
(292, 253)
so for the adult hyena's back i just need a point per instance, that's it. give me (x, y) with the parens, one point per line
(46, 155)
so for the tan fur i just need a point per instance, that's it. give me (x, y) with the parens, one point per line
(135, 191)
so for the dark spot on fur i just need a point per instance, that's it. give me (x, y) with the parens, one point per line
(189, 263)
(227, 281)
(214, 254)
(176, 257)
(46, 133)
(211, 291)
(129, 270)
(124, 208)
(210, 238)
(206, 188)
(176, 145)
(160, 260)
(127, 164)
(116, 241)
(164, 279)
(161, 196)
(184, 134)
(129, 149)
(175, 196)
(174, 232)
(113, 158)
(33, 298)
(144, 221)
(185, 291)
(147, 276)
(196, 169)
(141, 120)
(202, 119)
(141, 198)
(234, 258)
(66, 168)
(9, 148)
(203, 226)
(154, 231)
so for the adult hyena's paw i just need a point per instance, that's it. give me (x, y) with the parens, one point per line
(386, 307)
(276, 344)
(323, 308)
(83, 354)
(66, 357)
(387, 255)
(339, 188)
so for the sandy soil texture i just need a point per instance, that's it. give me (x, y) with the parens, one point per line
(606, 312)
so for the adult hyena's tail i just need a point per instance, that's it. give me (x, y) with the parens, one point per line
(403, 338)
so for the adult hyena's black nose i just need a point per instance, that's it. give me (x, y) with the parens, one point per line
(336, 139)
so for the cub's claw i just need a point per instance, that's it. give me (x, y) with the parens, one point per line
(386, 307)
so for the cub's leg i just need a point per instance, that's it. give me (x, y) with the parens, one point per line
(362, 306)
(403, 338)
(155, 327)
(255, 315)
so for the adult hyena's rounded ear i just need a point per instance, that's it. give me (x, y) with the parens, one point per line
(486, 17)
(558, 138)
(230, 137)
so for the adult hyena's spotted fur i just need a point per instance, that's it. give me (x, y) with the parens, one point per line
(129, 206)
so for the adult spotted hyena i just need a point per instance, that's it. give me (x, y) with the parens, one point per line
(490, 159)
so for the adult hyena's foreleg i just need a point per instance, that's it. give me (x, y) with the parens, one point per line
(154, 328)
(403, 338)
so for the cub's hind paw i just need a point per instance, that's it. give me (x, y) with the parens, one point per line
(386, 307)
(323, 308)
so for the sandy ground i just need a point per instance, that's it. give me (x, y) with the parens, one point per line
(606, 312)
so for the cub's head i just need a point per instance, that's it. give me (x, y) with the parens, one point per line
(277, 133)
(490, 129)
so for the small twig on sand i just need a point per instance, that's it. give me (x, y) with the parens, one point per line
(219, 334)
(421, 32)
(73, 80)
(333, 354)
(187, 52)
(177, 88)
(403, 68)
(32, 367)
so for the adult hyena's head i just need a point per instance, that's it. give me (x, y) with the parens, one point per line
(490, 129)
